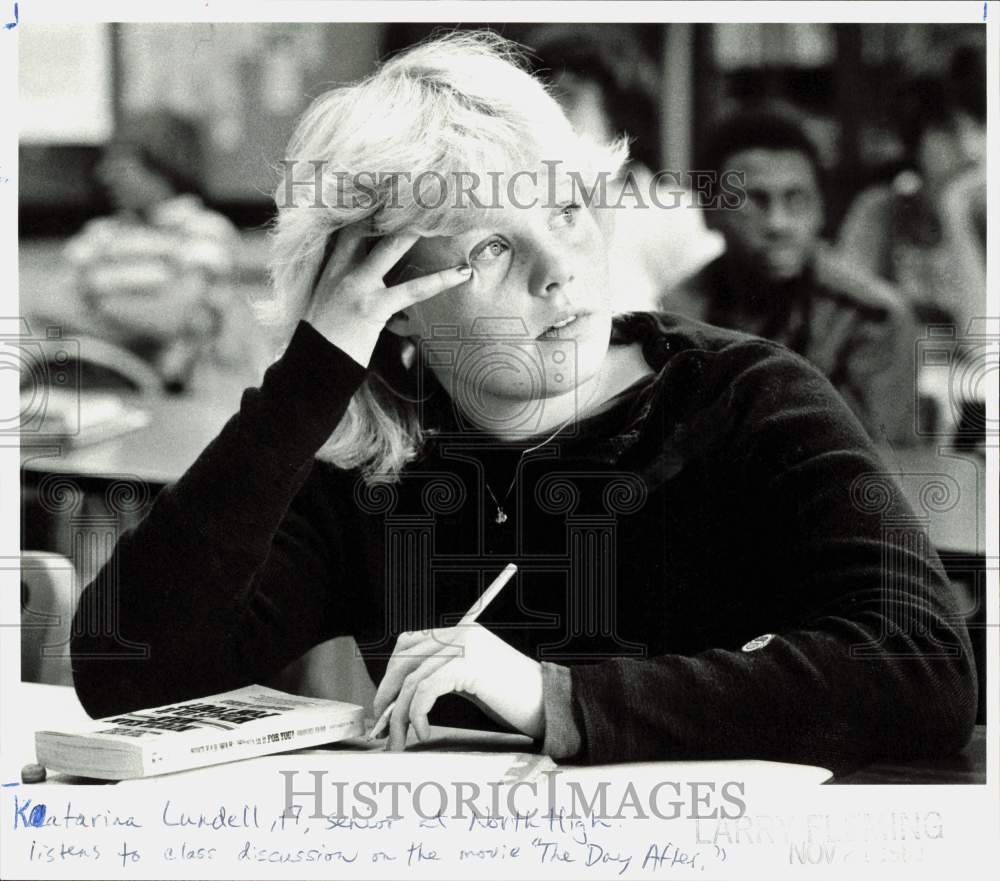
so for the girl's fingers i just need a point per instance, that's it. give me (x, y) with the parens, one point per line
(399, 722)
(411, 650)
(398, 668)
(427, 286)
(348, 251)
(445, 679)
(350, 247)
(388, 252)
(344, 250)
(351, 303)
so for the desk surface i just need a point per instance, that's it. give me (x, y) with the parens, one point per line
(179, 429)
(947, 487)
(966, 766)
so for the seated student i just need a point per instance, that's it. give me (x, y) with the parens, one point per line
(778, 279)
(925, 232)
(156, 276)
(697, 517)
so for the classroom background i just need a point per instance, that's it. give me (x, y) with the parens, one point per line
(211, 107)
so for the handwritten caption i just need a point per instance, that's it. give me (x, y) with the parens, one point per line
(232, 835)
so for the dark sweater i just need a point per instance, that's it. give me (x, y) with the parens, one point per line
(732, 496)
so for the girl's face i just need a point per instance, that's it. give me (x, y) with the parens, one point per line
(538, 261)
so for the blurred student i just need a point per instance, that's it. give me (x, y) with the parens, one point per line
(926, 230)
(600, 87)
(156, 276)
(777, 279)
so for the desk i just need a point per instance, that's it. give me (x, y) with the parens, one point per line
(966, 766)
(947, 487)
(56, 706)
(114, 481)
(179, 429)
(181, 425)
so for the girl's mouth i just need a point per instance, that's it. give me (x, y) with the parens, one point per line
(566, 329)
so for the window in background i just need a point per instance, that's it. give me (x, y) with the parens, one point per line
(65, 84)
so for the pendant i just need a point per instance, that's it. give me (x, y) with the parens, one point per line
(501, 517)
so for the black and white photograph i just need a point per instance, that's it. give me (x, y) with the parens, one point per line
(472, 440)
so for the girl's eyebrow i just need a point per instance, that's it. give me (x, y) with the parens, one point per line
(458, 245)
(453, 249)
(565, 186)
(472, 237)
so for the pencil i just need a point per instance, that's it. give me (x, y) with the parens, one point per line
(469, 617)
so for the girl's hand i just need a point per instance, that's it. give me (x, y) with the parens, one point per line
(351, 304)
(468, 660)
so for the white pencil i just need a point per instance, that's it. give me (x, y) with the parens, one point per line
(469, 617)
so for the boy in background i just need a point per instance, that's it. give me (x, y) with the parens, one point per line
(777, 279)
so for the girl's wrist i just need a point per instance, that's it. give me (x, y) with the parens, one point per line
(358, 342)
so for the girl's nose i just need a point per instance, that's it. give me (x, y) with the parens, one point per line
(553, 271)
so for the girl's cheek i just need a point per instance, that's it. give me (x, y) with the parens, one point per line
(588, 231)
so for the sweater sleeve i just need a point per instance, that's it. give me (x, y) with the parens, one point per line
(868, 657)
(562, 733)
(227, 578)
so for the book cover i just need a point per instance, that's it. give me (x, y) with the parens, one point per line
(244, 723)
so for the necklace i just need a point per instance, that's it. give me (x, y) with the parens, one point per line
(501, 516)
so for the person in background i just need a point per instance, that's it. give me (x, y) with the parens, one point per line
(777, 279)
(156, 276)
(605, 96)
(926, 230)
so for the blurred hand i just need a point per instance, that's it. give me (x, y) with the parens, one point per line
(468, 660)
(160, 312)
(351, 304)
(964, 196)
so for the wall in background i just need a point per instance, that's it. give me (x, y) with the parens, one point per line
(245, 85)
(65, 84)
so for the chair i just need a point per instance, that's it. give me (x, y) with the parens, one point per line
(93, 363)
(83, 390)
(967, 574)
(48, 599)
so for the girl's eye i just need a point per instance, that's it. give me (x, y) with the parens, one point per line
(491, 250)
(566, 215)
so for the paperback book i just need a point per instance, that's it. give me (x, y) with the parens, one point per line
(240, 724)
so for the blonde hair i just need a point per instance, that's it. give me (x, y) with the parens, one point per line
(455, 104)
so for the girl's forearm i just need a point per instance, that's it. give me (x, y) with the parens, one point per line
(162, 618)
